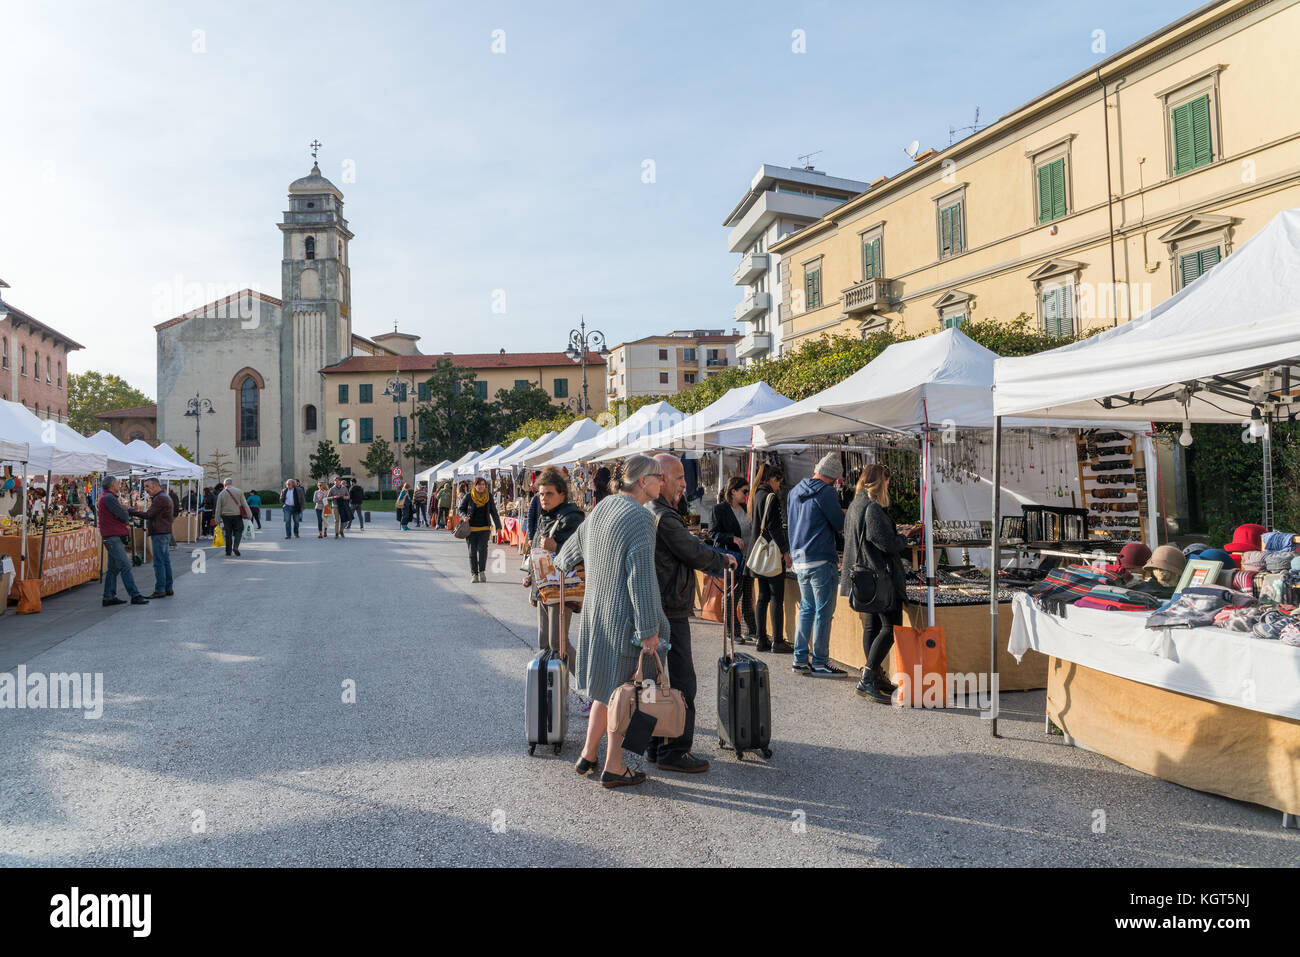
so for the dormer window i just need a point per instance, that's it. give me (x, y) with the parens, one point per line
(311, 247)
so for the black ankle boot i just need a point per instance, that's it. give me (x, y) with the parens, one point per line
(867, 689)
(764, 643)
(882, 682)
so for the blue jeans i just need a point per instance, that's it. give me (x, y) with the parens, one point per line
(817, 593)
(119, 563)
(292, 519)
(162, 562)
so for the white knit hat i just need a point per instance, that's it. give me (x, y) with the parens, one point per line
(830, 466)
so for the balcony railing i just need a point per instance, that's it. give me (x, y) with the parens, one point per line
(715, 363)
(753, 305)
(867, 296)
(754, 344)
(750, 268)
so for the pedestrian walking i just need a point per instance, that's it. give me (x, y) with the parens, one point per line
(730, 528)
(678, 555)
(114, 528)
(339, 505)
(232, 510)
(292, 506)
(318, 499)
(444, 503)
(815, 520)
(871, 540)
(622, 614)
(209, 509)
(422, 504)
(158, 525)
(767, 518)
(558, 520)
(403, 507)
(357, 498)
(480, 510)
(255, 506)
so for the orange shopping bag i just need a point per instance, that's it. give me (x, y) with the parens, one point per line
(920, 667)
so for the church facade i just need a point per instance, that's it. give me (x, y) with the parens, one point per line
(246, 369)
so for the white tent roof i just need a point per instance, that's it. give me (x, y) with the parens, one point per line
(944, 380)
(1242, 315)
(120, 458)
(50, 448)
(645, 421)
(516, 457)
(489, 462)
(449, 471)
(431, 473)
(579, 430)
(472, 468)
(13, 453)
(708, 427)
(142, 450)
(183, 467)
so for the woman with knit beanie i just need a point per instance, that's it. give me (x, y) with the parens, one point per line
(480, 510)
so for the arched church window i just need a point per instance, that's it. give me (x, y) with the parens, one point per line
(248, 411)
(311, 247)
(309, 419)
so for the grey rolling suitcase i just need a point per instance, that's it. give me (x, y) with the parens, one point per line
(546, 695)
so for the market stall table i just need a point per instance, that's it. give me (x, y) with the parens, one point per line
(71, 558)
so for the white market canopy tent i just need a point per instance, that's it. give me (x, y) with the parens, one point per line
(710, 427)
(472, 468)
(489, 462)
(449, 471)
(578, 431)
(14, 453)
(645, 421)
(1221, 335)
(182, 468)
(149, 455)
(430, 474)
(516, 458)
(120, 458)
(50, 449)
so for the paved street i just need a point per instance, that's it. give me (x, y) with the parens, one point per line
(227, 700)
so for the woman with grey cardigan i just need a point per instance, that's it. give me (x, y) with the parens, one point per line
(871, 540)
(622, 616)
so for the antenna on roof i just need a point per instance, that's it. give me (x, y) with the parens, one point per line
(973, 128)
(806, 157)
(912, 148)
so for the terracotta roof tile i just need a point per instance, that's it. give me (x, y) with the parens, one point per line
(474, 360)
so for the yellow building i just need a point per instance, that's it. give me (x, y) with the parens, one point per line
(1079, 214)
(357, 410)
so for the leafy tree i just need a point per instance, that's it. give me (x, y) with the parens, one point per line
(220, 466)
(379, 460)
(453, 420)
(90, 393)
(184, 452)
(517, 406)
(536, 428)
(325, 463)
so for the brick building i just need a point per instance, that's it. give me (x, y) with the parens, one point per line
(33, 362)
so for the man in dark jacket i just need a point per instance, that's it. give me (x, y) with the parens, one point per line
(292, 504)
(678, 554)
(357, 498)
(158, 525)
(114, 527)
(816, 521)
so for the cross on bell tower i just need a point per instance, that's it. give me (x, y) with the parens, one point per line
(315, 146)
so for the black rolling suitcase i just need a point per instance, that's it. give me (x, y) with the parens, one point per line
(744, 696)
(546, 695)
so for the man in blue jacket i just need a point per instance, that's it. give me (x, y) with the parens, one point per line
(815, 520)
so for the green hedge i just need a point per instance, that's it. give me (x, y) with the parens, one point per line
(385, 495)
(270, 497)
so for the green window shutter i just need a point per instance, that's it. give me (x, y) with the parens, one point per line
(1045, 193)
(1202, 148)
(561, 388)
(521, 384)
(872, 266)
(1189, 264)
(812, 288)
(343, 395)
(1053, 307)
(367, 394)
(367, 430)
(422, 391)
(957, 245)
(480, 389)
(1209, 258)
(1058, 188)
(945, 231)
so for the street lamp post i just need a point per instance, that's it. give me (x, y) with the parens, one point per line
(196, 407)
(396, 388)
(581, 343)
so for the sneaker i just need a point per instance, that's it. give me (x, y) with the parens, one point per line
(114, 601)
(139, 600)
(782, 648)
(685, 763)
(802, 667)
(825, 671)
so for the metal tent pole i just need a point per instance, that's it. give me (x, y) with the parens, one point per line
(996, 541)
(22, 552)
(927, 516)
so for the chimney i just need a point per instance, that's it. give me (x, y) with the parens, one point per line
(925, 155)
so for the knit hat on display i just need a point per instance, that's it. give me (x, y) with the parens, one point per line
(1134, 555)
(829, 465)
(1218, 555)
(1168, 558)
(1195, 548)
(1246, 538)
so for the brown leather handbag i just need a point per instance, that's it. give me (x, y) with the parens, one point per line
(657, 698)
(711, 600)
(29, 596)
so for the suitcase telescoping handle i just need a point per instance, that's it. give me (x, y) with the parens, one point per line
(559, 619)
(728, 612)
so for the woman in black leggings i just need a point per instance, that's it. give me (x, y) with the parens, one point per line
(871, 540)
(768, 522)
(480, 510)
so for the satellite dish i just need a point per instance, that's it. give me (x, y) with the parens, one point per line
(913, 148)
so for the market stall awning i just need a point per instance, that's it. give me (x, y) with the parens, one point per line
(578, 431)
(449, 471)
(13, 453)
(517, 457)
(489, 462)
(120, 459)
(472, 468)
(711, 426)
(431, 473)
(1221, 334)
(183, 468)
(50, 448)
(149, 455)
(647, 420)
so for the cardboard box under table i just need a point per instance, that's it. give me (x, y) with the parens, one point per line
(1207, 708)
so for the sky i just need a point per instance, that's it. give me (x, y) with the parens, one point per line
(551, 160)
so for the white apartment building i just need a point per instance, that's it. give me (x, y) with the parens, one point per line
(666, 365)
(779, 201)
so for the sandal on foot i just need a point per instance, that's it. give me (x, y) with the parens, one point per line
(585, 767)
(626, 779)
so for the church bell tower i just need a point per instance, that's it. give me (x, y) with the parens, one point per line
(316, 328)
